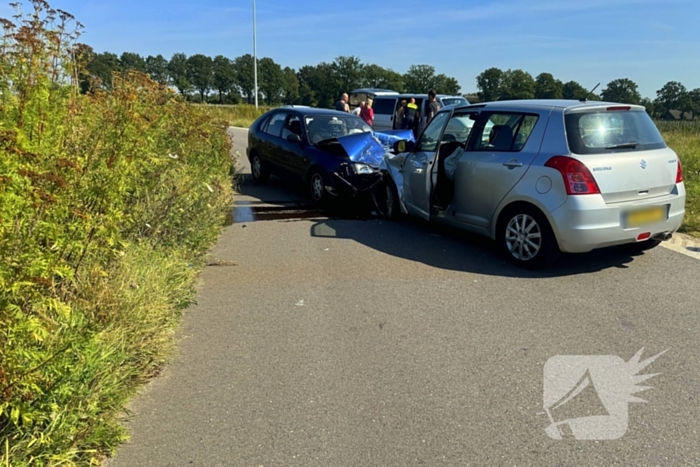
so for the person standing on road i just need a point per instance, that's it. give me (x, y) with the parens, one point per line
(400, 115)
(358, 109)
(410, 115)
(342, 105)
(433, 106)
(367, 113)
(430, 108)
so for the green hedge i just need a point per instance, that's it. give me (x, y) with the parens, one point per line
(108, 203)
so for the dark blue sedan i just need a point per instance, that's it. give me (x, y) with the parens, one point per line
(332, 153)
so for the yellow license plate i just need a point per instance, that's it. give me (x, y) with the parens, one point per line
(646, 216)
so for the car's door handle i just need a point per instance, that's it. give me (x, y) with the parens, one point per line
(511, 164)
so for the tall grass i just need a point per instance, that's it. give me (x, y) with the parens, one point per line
(108, 202)
(687, 127)
(687, 146)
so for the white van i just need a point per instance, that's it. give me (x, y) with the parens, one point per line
(360, 95)
(386, 105)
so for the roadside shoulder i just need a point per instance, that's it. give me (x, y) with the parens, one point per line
(685, 244)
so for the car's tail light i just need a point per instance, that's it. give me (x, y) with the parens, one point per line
(679, 172)
(618, 107)
(577, 178)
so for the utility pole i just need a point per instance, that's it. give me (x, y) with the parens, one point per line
(255, 57)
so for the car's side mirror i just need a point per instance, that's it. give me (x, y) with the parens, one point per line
(294, 139)
(403, 146)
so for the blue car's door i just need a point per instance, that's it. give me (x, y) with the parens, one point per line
(271, 140)
(294, 154)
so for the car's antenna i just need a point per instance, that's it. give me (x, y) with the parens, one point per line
(586, 98)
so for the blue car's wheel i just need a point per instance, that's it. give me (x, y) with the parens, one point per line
(257, 169)
(317, 186)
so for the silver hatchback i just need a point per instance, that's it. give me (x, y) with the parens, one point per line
(541, 177)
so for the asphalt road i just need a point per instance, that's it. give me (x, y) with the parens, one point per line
(339, 342)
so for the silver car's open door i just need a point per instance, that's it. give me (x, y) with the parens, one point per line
(417, 168)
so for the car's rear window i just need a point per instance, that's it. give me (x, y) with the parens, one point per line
(603, 131)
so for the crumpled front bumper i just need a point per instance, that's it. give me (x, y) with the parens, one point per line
(371, 149)
(346, 182)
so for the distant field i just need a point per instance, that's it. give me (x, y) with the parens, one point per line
(236, 115)
(682, 137)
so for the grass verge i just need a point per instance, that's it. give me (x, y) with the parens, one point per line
(687, 146)
(109, 201)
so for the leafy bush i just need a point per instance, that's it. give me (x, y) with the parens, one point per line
(108, 202)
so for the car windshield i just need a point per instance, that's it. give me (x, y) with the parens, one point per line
(323, 127)
(603, 131)
(454, 100)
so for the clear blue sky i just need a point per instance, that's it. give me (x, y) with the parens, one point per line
(590, 41)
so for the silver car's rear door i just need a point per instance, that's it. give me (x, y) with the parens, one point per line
(504, 146)
(417, 167)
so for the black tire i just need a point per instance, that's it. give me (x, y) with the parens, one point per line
(519, 220)
(388, 199)
(316, 185)
(257, 168)
(640, 247)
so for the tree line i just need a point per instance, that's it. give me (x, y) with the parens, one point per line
(495, 84)
(225, 80)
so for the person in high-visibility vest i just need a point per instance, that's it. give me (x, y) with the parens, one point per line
(410, 115)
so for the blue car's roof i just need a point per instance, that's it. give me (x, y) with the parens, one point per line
(312, 111)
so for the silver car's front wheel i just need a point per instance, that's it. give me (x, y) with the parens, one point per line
(390, 200)
(526, 237)
(523, 237)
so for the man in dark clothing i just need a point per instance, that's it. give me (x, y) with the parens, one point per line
(433, 106)
(342, 104)
(410, 114)
(430, 108)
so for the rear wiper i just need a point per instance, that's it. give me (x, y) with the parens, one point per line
(630, 145)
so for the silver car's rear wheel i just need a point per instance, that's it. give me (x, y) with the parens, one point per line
(526, 238)
(523, 237)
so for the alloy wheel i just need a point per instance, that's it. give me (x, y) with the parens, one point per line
(317, 187)
(256, 167)
(523, 237)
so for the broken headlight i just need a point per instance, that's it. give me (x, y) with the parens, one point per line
(363, 169)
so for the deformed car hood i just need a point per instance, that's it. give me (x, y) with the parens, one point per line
(367, 148)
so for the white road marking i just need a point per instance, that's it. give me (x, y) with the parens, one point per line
(685, 244)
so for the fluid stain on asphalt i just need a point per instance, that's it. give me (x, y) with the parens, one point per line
(242, 214)
(246, 214)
